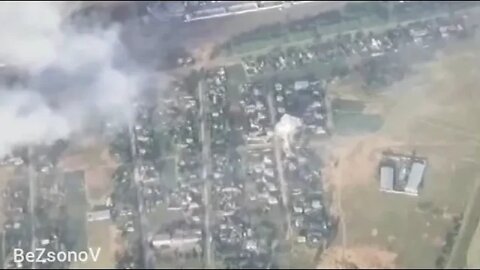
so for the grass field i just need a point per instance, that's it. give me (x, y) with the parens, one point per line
(77, 208)
(349, 118)
(434, 113)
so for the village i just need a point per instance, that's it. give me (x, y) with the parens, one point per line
(217, 172)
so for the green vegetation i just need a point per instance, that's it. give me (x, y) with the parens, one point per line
(349, 119)
(76, 209)
(353, 17)
(353, 123)
(345, 105)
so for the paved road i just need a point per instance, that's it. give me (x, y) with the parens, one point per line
(278, 160)
(206, 172)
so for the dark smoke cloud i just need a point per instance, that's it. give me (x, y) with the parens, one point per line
(74, 75)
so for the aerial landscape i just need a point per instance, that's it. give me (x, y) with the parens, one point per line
(239, 134)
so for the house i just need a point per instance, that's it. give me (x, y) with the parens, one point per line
(387, 178)
(98, 215)
(301, 239)
(165, 241)
(415, 178)
(301, 85)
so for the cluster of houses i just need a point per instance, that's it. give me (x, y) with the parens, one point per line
(141, 183)
(240, 205)
(303, 99)
(122, 208)
(182, 236)
(137, 190)
(235, 238)
(216, 93)
(42, 224)
(423, 34)
(254, 105)
(51, 225)
(17, 224)
(263, 178)
(238, 238)
(311, 221)
(402, 174)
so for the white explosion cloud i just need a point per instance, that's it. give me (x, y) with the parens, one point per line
(73, 75)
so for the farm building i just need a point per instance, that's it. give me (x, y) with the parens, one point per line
(401, 173)
(387, 178)
(415, 178)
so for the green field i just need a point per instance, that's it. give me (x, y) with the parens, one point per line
(349, 119)
(356, 123)
(77, 207)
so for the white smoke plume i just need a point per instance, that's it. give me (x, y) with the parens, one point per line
(73, 74)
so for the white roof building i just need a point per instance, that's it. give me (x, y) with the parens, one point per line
(387, 178)
(164, 240)
(415, 178)
(98, 215)
(301, 85)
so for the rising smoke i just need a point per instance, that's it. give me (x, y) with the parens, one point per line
(74, 75)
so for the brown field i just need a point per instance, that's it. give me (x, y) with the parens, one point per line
(357, 257)
(92, 155)
(434, 112)
(98, 183)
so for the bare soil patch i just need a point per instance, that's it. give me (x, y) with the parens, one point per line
(361, 257)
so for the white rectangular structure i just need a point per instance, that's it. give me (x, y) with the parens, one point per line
(301, 85)
(387, 178)
(415, 178)
(98, 215)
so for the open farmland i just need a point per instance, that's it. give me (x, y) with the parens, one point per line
(473, 261)
(434, 114)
